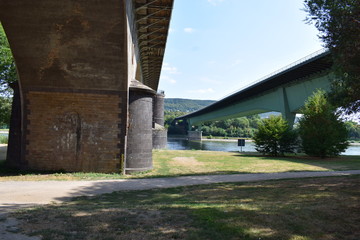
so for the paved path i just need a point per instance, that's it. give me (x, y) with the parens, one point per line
(15, 194)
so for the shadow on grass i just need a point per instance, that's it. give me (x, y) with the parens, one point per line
(323, 208)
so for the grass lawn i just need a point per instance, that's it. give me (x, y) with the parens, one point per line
(169, 163)
(306, 209)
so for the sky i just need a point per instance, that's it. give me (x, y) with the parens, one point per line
(216, 47)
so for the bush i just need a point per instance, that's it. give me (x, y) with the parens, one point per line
(5, 111)
(322, 132)
(3, 139)
(275, 137)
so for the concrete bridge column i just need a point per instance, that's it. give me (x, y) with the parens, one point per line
(139, 140)
(159, 131)
(195, 135)
(14, 150)
(285, 108)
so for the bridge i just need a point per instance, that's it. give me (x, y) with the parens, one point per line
(88, 76)
(284, 91)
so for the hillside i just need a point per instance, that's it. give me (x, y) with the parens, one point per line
(185, 105)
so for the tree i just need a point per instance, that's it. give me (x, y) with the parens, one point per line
(5, 112)
(7, 76)
(339, 24)
(275, 137)
(353, 129)
(7, 65)
(323, 134)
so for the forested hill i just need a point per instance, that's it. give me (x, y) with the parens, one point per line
(185, 105)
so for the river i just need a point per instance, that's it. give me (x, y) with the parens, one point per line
(229, 146)
(225, 146)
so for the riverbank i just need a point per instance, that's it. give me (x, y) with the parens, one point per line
(178, 137)
(172, 163)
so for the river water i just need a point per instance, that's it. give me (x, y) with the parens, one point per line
(225, 146)
(229, 146)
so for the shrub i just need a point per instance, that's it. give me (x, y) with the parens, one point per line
(275, 137)
(3, 139)
(322, 132)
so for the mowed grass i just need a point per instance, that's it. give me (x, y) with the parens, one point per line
(169, 163)
(305, 209)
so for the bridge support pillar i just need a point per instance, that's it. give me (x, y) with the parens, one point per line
(73, 130)
(159, 131)
(14, 150)
(195, 135)
(285, 108)
(139, 140)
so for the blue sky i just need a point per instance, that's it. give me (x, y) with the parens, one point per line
(216, 47)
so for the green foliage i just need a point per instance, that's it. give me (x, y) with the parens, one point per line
(354, 130)
(185, 105)
(3, 139)
(275, 137)
(339, 24)
(7, 65)
(5, 112)
(323, 134)
(237, 127)
(169, 117)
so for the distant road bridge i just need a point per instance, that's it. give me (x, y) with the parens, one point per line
(88, 75)
(284, 91)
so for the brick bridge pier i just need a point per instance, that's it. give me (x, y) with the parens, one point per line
(77, 62)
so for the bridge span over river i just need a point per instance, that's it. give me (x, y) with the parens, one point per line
(284, 91)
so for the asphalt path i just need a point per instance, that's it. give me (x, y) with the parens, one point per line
(23, 194)
(17, 194)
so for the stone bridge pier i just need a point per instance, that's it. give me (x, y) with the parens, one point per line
(76, 60)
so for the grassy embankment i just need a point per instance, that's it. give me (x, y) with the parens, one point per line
(305, 209)
(168, 163)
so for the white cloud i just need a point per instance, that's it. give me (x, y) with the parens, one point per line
(168, 79)
(189, 30)
(167, 68)
(172, 30)
(215, 2)
(202, 91)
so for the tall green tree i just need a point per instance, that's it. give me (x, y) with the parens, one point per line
(322, 132)
(8, 75)
(275, 137)
(353, 129)
(8, 72)
(338, 22)
(5, 112)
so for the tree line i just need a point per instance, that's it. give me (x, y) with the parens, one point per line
(237, 127)
(243, 127)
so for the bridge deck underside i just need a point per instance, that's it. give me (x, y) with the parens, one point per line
(284, 92)
(286, 99)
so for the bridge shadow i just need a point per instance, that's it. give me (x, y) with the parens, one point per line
(277, 209)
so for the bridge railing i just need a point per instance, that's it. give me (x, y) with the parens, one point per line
(298, 62)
